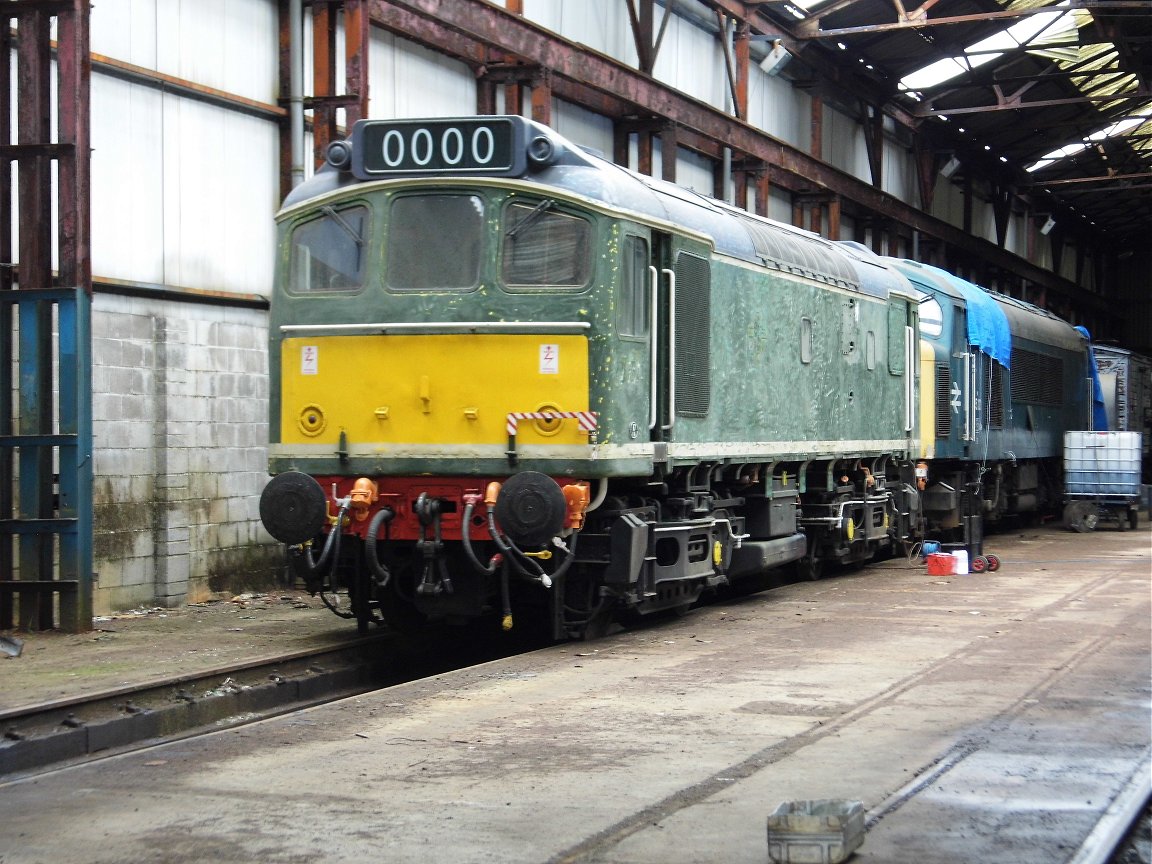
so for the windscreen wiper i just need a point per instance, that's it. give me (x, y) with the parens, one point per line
(537, 211)
(329, 210)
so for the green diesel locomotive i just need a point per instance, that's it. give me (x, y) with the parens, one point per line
(511, 378)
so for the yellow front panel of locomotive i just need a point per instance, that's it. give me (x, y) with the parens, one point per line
(927, 401)
(431, 389)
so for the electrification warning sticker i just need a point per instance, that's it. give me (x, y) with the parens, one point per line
(309, 360)
(550, 359)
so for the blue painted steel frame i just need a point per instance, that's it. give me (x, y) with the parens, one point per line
(45, 334)
(51, 505)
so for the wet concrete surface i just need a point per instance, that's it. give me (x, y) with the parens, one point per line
(985, 718)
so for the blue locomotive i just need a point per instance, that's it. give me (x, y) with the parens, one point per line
(1001, 381)
(511, 378)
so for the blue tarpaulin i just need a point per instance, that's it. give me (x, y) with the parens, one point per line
(1099, 411)
(987, 323)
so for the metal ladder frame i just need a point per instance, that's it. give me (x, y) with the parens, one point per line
(45, 338)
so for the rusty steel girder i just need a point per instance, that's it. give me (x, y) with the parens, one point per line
(475, 32)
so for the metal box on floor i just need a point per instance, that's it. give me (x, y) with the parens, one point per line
(824, 831)
(1102, 463)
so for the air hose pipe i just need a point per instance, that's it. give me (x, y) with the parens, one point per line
(380, 572)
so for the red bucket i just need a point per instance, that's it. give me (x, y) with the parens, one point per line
(941, 564)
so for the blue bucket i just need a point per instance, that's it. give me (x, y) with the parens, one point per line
(931, 547)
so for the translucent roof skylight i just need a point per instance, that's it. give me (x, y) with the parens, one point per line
(1032, 31)
(1141, 117)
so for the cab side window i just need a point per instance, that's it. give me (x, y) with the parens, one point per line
(633, 312)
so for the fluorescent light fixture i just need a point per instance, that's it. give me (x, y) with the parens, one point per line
(776, 59)
(950, 167)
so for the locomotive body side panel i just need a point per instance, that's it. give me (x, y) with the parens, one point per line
(799, 369)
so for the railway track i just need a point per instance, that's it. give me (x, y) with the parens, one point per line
(45, 735)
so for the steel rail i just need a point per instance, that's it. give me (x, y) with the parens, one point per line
(40, 736)
(1105, 840)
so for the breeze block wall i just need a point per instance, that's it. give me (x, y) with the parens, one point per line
(180, 405)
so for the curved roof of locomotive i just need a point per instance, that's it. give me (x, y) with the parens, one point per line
(875, 271)
(1025, 320)
(1039, 325)
(734, 232)
(987, 324)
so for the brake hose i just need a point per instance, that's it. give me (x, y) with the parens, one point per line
(379, 571)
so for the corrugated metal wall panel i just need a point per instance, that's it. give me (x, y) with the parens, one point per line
(212, 157)
(1043, 256)
(779, 205)
(846, 148)
(163, 164)
(899, 172)
(127, 181)
(126, 30)
(692, 170)
(692, 61)
(948, 204)
(602, 25)
(1016, 239)
(584, 127)
(778, 108)
(406, 80)
(843, 144)
(231, 45)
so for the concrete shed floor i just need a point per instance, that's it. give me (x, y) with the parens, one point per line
(989, 718)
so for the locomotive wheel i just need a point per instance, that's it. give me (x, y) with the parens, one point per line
(399, 613)
(993, 563)
(1081, 516)
(809, 568)
(597, 626)
(979, 564)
